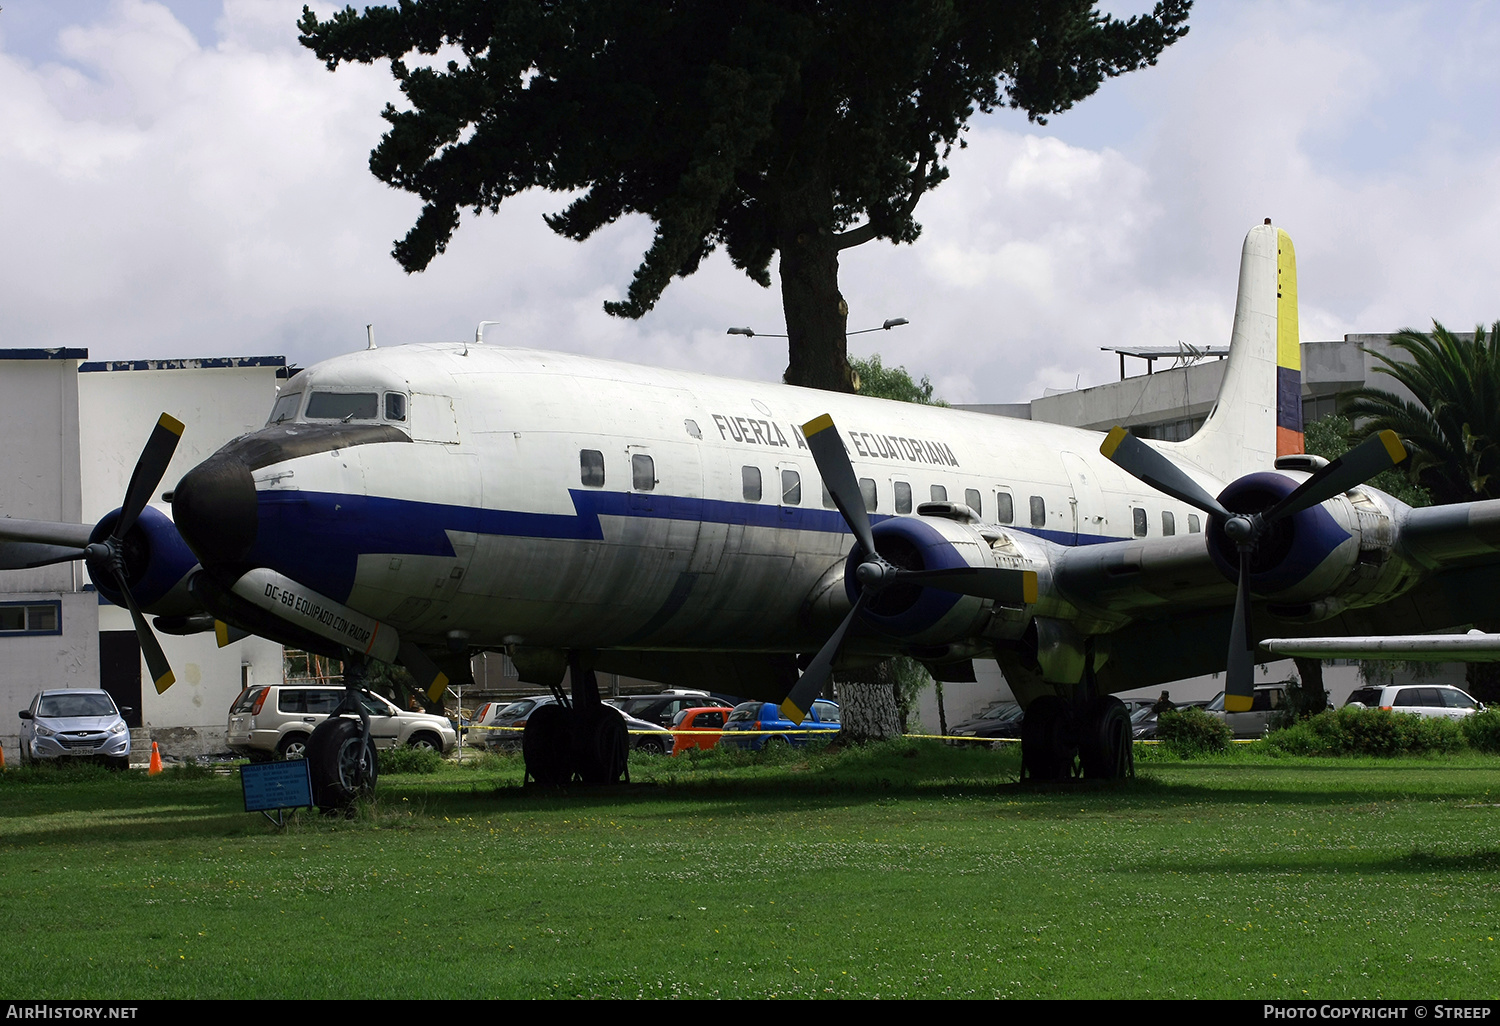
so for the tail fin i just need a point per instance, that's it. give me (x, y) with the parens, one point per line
(1258, 413)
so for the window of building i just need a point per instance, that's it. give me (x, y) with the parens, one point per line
(791, 488)
(591, 468)
(31, 618)
(903, 497)
(750, 483)
(642, 472)
(1005, 508)
(1038, 511)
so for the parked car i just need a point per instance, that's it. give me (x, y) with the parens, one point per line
(766, 716)
(1438, 701)
(1267, 700)
(645, 736)
(662, 709)
(74, 723)
(274, 721)
(690, 721)
(997, 720)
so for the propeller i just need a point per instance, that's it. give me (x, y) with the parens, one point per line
(1379, 452)
(875, 573)
(110, 553)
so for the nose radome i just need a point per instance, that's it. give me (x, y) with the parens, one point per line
(214, 509)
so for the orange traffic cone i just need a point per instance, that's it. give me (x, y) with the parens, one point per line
(2, 755)
(155, 766)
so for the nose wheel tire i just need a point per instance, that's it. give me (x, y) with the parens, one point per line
(1105, 746)
(1049, 740)
(547, 746)
(342, 765)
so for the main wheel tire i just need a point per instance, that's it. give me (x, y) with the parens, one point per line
(293, 746)
(547, 746)
(1104, 745)
(1049, 740)
(604, 749)
(341, 767)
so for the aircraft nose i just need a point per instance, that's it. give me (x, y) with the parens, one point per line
(214, 507)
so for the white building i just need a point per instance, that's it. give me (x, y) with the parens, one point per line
(76, 430)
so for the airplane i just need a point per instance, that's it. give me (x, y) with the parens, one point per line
(419, 503)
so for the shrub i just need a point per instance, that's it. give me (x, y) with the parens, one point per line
(1353, 730)
(410, 760)
(1482, 730)
(1191, 731)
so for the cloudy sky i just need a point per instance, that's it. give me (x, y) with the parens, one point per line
(183, 179)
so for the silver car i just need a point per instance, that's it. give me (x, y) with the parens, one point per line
(74, 723)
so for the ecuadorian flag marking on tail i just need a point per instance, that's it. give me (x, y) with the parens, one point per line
(1288, 351)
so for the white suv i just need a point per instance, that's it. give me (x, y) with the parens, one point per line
(1432, 700)
(274, 721)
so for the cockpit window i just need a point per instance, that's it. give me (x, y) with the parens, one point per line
(285, 408)
(343, 406)
(395, 406)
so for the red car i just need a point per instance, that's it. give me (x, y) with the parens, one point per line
(710, 719)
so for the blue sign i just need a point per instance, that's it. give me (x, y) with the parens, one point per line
(276, 785)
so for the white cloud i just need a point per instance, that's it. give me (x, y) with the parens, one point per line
(171, 190)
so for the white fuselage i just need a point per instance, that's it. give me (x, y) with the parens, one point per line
(552, 499)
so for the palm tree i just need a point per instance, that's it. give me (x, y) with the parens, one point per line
(1452, 430)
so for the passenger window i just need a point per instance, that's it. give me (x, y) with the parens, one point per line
(903, 497)
(973, 501)
(939, 493)
(1168, 522)
(642, 472)
(828, 502)
(750, 483)
(591, 468)
(867, 492)
(1138, 517)
(1038, 511)
(791, 488)
(1005, 508)
(395, 406)
(1193, 524)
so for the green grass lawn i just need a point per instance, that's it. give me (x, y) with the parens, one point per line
(903, 870)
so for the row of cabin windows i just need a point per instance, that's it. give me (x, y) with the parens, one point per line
(643, 479)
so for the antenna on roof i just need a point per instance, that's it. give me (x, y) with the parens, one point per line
(370, 335)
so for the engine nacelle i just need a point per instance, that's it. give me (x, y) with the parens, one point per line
(923, 616)
(157, 563)
(1309, 556)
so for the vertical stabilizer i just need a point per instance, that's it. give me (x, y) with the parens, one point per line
(1258, 413)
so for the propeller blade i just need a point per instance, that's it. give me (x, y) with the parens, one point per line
(992, 582)
(149, 470)
(1239, 686)
(227, 634)
(426, 673)
(810, 685)
(28, 555)
(1381, 451)
(1144, 463)
(156, 660)
(45, 532)
(838, 477)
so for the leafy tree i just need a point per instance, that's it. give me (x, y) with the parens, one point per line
(1333, 436)
(882, 382)
(786, 127)
(1452, 429)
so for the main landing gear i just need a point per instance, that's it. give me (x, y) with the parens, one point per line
(341, 757)
(583, 740)
(1089, 738)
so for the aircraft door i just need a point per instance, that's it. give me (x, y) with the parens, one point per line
(1086, 498)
